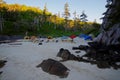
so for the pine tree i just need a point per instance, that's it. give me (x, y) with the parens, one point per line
(66, 15)
(83, 17)
(66, 11)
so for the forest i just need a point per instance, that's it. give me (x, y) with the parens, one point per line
(16, 19)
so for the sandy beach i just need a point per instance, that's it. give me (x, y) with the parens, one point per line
(23, 59)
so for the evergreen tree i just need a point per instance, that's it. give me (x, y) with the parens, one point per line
(83, 17)
(66, 15)
(66, 11)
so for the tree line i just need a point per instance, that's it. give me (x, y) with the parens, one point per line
(17, 19)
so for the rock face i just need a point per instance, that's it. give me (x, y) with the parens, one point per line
(110, 34)
(110, 37)
(54, 67)
(107, 43)
(112, 14)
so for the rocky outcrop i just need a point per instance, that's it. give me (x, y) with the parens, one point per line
(111, 16)
(110, 34)
(110, 37)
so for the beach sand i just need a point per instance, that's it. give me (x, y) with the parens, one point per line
(23, 59)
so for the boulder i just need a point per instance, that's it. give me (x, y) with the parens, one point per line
(54, 67)
(66, 55)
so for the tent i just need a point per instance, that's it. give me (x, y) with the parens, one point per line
(73, 36)
(86, 37)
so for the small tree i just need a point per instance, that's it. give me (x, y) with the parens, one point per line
(37, 22)
(1, 22)
(75, 18)
(44, 13)
(1, 17)
(76, 21)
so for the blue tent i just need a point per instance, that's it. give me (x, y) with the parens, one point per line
(86, 37)
(82, 35)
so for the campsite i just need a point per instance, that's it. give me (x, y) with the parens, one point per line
(36, 44)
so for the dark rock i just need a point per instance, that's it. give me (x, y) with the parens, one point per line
(40, 44)
(103, 64)
(2, 63)
(54, 67)
(1, 72)
(66, 55)
(56, 41)
(77, 51)
(59, 53)
(104, 56)
(81, 47)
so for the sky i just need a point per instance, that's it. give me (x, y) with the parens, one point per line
(92, 8)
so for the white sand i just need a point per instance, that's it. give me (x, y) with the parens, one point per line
(22, 61)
